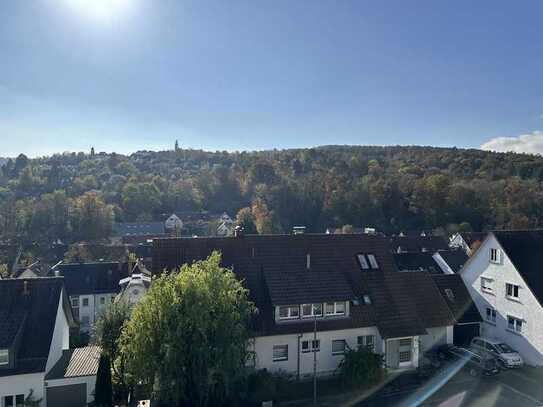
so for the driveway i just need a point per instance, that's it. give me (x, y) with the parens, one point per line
(510, 388)
(519, 387)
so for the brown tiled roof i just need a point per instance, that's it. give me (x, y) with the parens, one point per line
(75, 363)
(274, 269)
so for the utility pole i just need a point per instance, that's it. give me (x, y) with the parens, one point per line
(314, 360)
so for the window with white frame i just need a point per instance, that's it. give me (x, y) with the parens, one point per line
(289, 312)
(4, 357)
(514, 324)
(338, 346)
(366, 340)
(335, 308)
(13, 401)
(280, 353)
(449, 294)
(487, 284)
(311, 310)
(85, 302)
(311, 346)
(511, 290)
(75, 302)
(491, 315)
(102, 300)
(494, 255)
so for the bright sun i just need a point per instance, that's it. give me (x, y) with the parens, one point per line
(100, 10)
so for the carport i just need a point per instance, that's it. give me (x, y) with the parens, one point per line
(464, 333)
(72, 380)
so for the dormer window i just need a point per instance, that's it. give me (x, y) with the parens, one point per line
(335, 308)
(289, 312)
(4, 357)
(367, 261)
(367, 299)
(311, 310)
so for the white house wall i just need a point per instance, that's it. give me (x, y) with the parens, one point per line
(436, 336)
(61, 337)
(326, 362)
(529, 343)
(21, 384)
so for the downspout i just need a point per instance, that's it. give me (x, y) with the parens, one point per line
(298, 359)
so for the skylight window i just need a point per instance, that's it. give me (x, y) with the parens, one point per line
(367, 261)
(367, 299)
(449, 294)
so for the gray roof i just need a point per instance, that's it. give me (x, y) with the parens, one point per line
(76, 363)
(28, 312)
(138, 229)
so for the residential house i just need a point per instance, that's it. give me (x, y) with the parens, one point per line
(35, 319)
(134, 287)
(347, 285)
(418, 243)
(137, 232)
(465, 312)
(504, 278)
(467, 241)
(440, 262)
(91, 287)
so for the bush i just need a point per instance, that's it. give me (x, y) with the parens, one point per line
(360, 367)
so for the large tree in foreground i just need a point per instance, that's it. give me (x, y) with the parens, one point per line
(188, 338)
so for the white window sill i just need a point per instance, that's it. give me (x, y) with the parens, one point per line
(280, 360)
(493, 323)
(487, 291)
(514, 299)
(513, 331)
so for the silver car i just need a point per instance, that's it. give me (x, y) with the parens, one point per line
(507, 356)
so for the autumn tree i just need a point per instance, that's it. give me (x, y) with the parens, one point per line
(187, 340)
(91, 218)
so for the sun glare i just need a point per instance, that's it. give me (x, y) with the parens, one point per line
(100, 10)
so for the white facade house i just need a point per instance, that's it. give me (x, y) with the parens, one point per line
(91, 288)
(505, 281)
(34, 338)
(347, 285)
(134, 287)
(467, 241)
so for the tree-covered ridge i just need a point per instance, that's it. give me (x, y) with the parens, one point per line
(76, 196)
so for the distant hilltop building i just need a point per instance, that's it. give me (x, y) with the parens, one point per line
(194, 223)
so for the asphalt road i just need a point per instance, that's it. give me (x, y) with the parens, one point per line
(519, 387)
(510, 388)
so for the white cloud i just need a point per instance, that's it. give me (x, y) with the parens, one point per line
(531, 143)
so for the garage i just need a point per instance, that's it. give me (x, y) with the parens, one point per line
(463, 333)
(69, 395)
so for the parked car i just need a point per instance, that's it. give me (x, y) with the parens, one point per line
(477, 363)
(506, 355)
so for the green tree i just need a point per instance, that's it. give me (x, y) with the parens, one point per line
(246, 220)
(103, 395)
(91, 218)
(360, 367)
(188, 338)
(107, 332)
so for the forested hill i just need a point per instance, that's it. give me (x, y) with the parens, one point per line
(74, 196)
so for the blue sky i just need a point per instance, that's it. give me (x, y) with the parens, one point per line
(245, 75)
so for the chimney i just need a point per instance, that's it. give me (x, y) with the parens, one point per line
(26, 291)
(308, 261)
(238, 231)
(57, 273)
